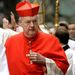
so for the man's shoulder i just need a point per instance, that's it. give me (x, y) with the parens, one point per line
(47, 36)
(15, 37)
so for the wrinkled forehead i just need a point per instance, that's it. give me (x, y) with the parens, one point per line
(28, 18)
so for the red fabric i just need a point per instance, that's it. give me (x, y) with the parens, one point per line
(27, 9)
(17, 47)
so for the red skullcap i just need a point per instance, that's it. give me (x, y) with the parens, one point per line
(27, 9)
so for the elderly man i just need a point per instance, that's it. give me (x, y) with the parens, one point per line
(32, 51)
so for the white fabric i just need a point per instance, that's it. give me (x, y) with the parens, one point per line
(4, 34)
(69, 53)
(52, 68)
(71, 43)
(3, 61)
(74, 63)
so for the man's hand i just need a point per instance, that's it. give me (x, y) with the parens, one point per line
(36, 58)
(13, 21)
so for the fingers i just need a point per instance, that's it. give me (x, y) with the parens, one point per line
(32, 56)
(12, 17)
(36, 58)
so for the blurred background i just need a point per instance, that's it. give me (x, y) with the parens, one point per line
(47, 12)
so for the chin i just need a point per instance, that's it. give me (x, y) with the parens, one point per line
(30, 34)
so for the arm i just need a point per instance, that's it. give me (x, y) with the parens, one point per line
(3, 61)
(49, 64)
(52, 50)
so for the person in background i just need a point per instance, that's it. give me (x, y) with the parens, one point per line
(3, 61)
(64, 26)
(4, 34)
(63, 37)
(72, 31)
(12, 25)
(5, 23)
(72, 35)
(32, 52)
(16, 27)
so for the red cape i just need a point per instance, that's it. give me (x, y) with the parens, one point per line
(17, 47)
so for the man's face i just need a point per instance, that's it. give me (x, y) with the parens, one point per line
(30, 26)
(72, 30)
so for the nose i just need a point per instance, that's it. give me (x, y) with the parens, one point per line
(32, 24)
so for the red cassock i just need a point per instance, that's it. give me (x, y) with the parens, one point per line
(18, 46)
